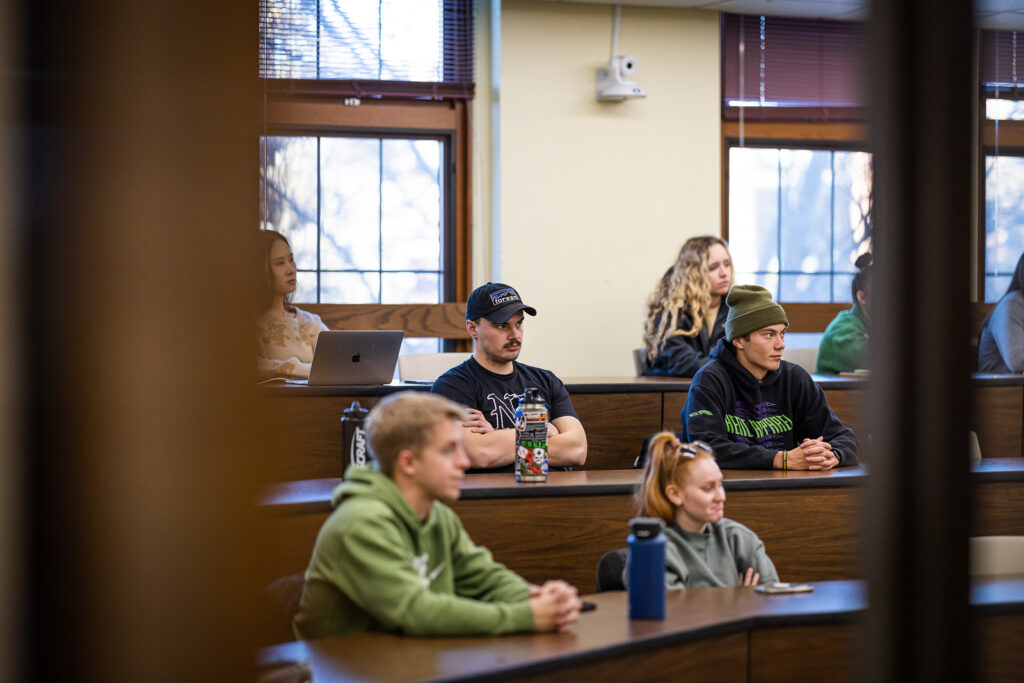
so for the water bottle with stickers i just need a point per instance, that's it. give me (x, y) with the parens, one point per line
(531, 438)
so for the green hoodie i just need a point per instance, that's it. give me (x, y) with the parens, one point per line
(844, 346)
(377, 567)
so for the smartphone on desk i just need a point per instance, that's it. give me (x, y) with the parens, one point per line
(783, 587)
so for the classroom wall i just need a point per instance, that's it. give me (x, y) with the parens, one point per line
(596, 198)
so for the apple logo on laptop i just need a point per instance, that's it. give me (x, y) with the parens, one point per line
(356, 358)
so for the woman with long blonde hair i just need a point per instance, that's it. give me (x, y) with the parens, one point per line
(682, 485)
(686, 313)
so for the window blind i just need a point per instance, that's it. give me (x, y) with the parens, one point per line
(378, 48)
(1002, 63)
(808, 69)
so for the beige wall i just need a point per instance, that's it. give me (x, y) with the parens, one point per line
(597, 197)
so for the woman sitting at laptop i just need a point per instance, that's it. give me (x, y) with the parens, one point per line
(287, 335)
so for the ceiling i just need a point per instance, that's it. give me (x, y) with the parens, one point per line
(1005, 14)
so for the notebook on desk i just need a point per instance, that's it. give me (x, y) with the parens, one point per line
(355, 357)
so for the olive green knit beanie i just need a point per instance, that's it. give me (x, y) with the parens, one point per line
(751, 308)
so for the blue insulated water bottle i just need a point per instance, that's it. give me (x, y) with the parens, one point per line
(646, 569)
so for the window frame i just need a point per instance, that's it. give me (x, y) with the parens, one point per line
(326, 114)
(823, 135)
(1011, 143)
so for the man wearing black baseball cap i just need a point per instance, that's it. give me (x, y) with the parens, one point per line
(491, 383)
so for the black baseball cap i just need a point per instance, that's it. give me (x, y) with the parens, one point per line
(496, 302)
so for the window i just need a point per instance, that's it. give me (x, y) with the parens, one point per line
(383, 48)
(364, 216)
(798, 219)
(364, 152)
(1002, 81)
(1004, 221)
(798, 188)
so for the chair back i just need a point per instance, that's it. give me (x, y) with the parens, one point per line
(807, 358)
(283, 596)
(997, 555)
(973, 446)
(639, 361)
(609, 570)
(428, 366)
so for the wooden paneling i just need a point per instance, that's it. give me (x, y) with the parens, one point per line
(549, 538)
(999, 657)
(308, 429)
(999, 509)
(673, 409)
(811, 317)
(722, 659)
(849, 407)
(616, 425)
(827, 654)
(447, 320)
(997, 419)
(286, 544)
(810, 534)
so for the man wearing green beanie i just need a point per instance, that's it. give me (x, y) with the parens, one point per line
(756, 410)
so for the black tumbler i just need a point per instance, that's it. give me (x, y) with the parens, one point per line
(353, 437)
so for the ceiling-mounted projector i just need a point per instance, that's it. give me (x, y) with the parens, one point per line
(613, 83)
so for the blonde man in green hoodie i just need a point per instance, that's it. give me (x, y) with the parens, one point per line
(393, 557)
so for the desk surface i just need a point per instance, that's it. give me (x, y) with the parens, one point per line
(600, 385)
(315, 494)
(605, 633)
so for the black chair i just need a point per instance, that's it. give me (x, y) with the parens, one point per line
(641, 459)
(609, 570)
(283, 596)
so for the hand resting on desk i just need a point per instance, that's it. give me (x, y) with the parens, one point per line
(556, 606)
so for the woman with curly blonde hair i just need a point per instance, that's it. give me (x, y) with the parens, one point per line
(686, 313)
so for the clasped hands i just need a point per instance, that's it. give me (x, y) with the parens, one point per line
(811, 454)
(556, 606)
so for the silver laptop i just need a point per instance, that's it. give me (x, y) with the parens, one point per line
(355, 357)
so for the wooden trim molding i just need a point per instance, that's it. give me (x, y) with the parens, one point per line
(804, 317)
(811, 317)
(447, 321)
(1011, 135)
(831, 131)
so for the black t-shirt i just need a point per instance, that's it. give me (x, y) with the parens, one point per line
(496, 396)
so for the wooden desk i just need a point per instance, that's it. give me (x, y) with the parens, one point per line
(709, 634)
(578, 516)
(617, 414)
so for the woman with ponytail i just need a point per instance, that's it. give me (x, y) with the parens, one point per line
(686, 313)
(682, 485)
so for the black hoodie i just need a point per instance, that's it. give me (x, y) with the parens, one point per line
(747, 422)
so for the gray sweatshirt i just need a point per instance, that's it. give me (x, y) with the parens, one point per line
(715, 557)
(1001, 347)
